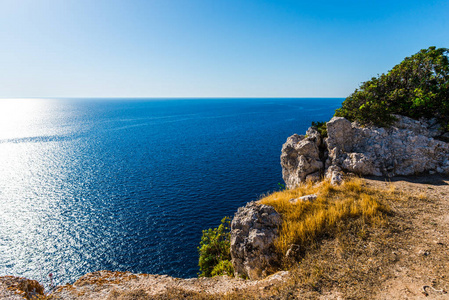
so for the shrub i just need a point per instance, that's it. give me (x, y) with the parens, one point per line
(224, 267)
(321, 127)
(418, 87)
(215, 251)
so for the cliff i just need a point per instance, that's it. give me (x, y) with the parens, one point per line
(409, 147)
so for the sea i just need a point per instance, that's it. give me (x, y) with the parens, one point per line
(129, 184)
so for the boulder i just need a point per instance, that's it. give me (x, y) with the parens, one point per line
(334, 174)
(253, 232)
(339, 132)
(300, 158)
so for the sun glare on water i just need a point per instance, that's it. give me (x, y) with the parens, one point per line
(18, 117)
(25, 198)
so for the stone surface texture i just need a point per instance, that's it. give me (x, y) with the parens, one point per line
(110, 285)
(12, 287)
(306, 198)
(300, 158)
(253, 232)
(309, 198)
(334, 174)
(409, 147)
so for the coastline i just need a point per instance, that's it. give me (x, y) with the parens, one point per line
(413, 255)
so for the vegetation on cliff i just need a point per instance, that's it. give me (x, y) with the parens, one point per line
(418, 87)
(215, 251)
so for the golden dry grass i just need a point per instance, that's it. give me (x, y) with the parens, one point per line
(305, 222)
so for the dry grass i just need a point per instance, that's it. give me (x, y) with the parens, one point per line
(305, 222)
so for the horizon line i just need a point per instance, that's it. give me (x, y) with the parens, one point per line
(168, 98)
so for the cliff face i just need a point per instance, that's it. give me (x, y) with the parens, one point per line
(254, 230)
(409, 147)
(300, 158)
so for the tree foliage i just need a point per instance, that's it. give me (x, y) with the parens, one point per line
(418, 87)
(215, 251)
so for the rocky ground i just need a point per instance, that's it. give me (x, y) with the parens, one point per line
(421, 245)
(408, 259)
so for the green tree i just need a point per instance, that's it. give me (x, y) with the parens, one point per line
(215, 251)
(417, 87)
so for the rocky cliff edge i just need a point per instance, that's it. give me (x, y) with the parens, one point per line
(409, 147)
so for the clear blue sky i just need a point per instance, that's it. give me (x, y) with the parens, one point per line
(213, 48)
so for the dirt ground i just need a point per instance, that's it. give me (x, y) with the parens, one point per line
(421, 247)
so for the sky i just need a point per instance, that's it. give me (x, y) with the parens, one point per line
(208, 48)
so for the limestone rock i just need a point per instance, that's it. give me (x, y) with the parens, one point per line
(309, 198)
(253, 232)
(293, 200)
(306, 198)
(111, 285)
(334, 174)
(300, 158)
(339, 131)
(314, 177)
(12, 287)
(408, 147)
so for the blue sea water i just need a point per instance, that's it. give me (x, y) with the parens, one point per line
(129, 185)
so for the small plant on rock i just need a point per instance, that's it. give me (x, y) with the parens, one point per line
(321, 127)
(215, 251)
(281, 186)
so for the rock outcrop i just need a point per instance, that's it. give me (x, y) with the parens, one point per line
(408, 147)
(253, 232)
(110, 285)
(300, 158)
(12, 287)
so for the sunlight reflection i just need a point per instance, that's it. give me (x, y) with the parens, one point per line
(29, 208)
(20, 117)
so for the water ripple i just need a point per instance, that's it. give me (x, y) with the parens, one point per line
(129, 186)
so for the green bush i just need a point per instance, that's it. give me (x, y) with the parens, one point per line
(321, 127)
(417, 87)
(224, 267)
(215, 251)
